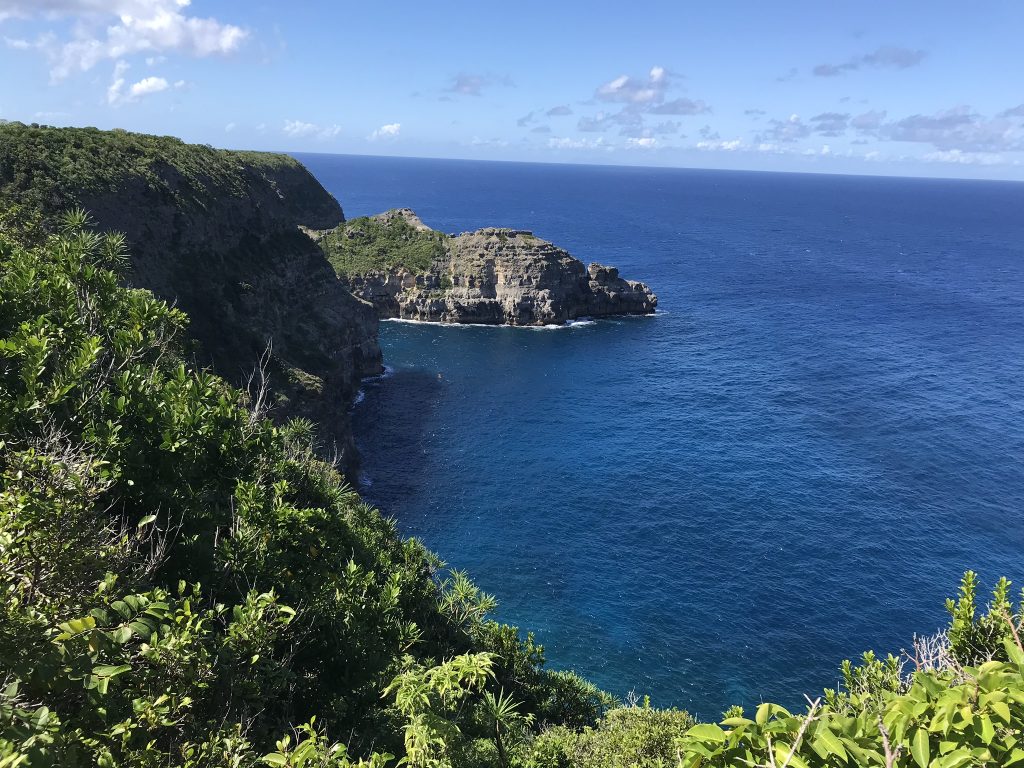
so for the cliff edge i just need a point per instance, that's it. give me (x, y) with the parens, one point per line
(491, 276)
(217, 233)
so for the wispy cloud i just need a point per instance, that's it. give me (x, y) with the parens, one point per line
(630, 90)
(793, 128)
(559, 111)
(119, 92)
(886, 57)
(831, 123)
(681, 106)
(958, 128)
(467, 84)
(570, 143)
(389, 131)
(959, 157)
(297, 129)
(640, 97)
(643, 142)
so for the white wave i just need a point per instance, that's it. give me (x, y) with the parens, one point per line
(387, 374)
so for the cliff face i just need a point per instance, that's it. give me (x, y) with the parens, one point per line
(217, 233)
(491, 276)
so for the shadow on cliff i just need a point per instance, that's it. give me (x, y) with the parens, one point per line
(392, 426)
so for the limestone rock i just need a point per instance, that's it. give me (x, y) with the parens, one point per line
(490, 276)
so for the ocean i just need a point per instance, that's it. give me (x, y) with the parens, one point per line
(793, 462)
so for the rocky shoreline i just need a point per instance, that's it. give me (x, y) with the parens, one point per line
(492, 276)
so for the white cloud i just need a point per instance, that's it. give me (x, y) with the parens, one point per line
(389, 131)
(114, 92)
(636, 91)
(297, 129)
(476, 141)
(148, 85)
(114, 29)
(643, 142)
(567, 143)
(229, 127)
(118, 94)
(959, 157)
(824, 151)
(730, 145)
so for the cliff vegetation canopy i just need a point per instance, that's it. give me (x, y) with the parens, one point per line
(48, 169)
(374, 244)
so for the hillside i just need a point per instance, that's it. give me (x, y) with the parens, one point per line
(217, 233)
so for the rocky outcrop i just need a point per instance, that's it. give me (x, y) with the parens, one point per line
(490, 276)
(217, 233)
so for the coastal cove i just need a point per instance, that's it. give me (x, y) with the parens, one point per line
(793, 461)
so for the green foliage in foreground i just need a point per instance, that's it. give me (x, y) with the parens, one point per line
(370, 244)
(183, 584)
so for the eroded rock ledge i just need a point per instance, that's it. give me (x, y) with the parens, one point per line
(491, 276)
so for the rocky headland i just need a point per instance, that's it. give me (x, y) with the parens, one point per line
(261, 258)
(491, 276)
(217, 233)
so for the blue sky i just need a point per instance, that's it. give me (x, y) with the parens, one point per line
(909, 88)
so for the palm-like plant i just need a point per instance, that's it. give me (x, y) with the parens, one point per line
(506, 720)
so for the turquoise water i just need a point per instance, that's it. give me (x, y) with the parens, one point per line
(793, 462)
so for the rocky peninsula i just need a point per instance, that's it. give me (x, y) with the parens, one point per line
(492, 276)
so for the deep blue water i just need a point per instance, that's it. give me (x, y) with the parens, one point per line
(794, 462)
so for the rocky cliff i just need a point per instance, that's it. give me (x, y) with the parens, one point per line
(491, 276)
(217, 233)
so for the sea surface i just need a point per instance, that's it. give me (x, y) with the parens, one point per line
(793, 462)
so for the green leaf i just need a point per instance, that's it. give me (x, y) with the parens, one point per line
(737, 722)
(826, 743)
(984, 728)
(108, 670)
(955, 759)
(919, 747)
(707, 732)
(275, 758)
(146, 521)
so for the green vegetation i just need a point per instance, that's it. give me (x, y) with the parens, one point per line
(47, 169)
(370, 244)
(184, 584)
(963, 705)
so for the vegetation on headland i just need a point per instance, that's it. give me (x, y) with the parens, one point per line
(47, 169)
(183, 583)
(373, 244)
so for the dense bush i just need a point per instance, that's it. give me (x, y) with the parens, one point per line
(182, 582)
(370, 244)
